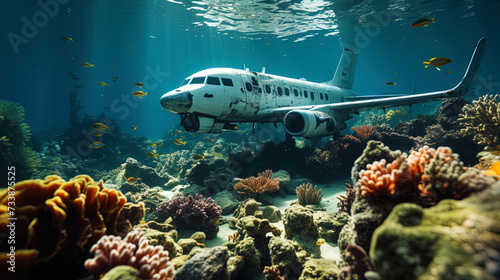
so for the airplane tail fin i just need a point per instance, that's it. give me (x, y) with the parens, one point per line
(344, 75)
(470, 75)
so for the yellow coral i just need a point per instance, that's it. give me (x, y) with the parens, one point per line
(482, 119)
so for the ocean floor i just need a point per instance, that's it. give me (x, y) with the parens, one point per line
(330, 191)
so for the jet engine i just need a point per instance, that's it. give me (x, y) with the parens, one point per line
(194, 122)
(306, 123)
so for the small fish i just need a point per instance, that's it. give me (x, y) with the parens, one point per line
(320, 241)
(448, 72)
(494, 169)
(72, 58)
(437, 61)
(103, 84)
(177, 131)
(131, 179)
(99, 126)
(96, 145)
(182, 136)
(134, 128)
(390, 83)
(140, 94)
(139, 84)
(87, 65)
(102, 95)
(114, 79)
(422, 22)
(68, 39)
(208, 139)
(198, 157)
(98, 133)
(179, 142)
(150, 155)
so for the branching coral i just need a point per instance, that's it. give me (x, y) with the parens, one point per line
(308, 195)
(346, 200)
(254, 186)
(55, 217)
(190, 212)
(482, 119)
(133, 250)
(378, 178)
(364, 132)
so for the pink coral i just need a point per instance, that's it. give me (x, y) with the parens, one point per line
(378, 178)
(152, 262)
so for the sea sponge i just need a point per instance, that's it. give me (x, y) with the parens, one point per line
(482, 119)
(55, 216)
(134, 251)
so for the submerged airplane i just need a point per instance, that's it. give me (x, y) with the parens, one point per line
(214, 100)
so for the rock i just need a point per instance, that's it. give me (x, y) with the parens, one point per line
(165, 239)
(452, 240)
(199, 236)
(265, 199)
(300, 227)
(283, 176)
(250, 257)
(330, 224)
(210, 264)
(122, 272)
(319, 269)
(283, 255)
(226, 201)
(147, 174)
(272, 213)
(187, 244)
(246, 208)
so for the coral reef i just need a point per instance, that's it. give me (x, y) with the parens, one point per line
(134, 251)
(254, 186)
(364, 132)
(14, 137)
(273, 273)
(452, 240)
(308, 194)
(196, 213)
(322, 164)
(59, 219)
(482, 119)
(346, 200)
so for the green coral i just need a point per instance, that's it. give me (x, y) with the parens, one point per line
(482, 119)
(14, 136)
(308, 194)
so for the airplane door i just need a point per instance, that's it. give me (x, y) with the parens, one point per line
(252, 91)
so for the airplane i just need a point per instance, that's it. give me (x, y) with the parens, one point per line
(216, 99)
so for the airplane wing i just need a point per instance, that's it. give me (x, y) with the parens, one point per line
(387, 101)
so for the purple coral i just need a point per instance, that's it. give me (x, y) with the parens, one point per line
(192, 212)
(111, 251)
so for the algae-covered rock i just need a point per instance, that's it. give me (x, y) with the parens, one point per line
(209, 264)
(283, 176)
(284, 256)
(122, 272)
(272, 213)
(300, 227)
(452, 240)
(319, 269)
(330, 224)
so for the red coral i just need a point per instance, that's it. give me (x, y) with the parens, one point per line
(111, 251)
(254, 186)
(364, 132)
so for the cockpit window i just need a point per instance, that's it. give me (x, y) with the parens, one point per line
(197, 80)
(227, 82)
(185, 82)
(213, 81)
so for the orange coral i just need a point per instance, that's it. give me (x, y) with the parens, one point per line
(263, 183)
(53, 215)
(364, 132)
(378, 178)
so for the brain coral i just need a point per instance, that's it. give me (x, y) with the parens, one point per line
(55, 217)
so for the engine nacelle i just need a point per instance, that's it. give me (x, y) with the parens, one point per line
(306, 123)
(193, 122)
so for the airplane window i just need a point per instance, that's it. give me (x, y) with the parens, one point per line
(213, 81)
(280, 91)
(305, 93)
(198, 80)
(296, 92)
(326, 96)
(312, 95)
(249, 86)
(321, 95)
(268, 88)
(185, 82)
(287, 92)
(227, 82)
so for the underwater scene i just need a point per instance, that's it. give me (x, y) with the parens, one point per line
(254, 139)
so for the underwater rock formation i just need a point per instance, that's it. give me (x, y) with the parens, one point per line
(246, 208)
(59, 220)
(134, 251)
(320, 269)
(284, 257)
(300, 227)
(197, 213)
(130, 215)
(147, 174)
(452, 240)
(209, 264)
(330, 224)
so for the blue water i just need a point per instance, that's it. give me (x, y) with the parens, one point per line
(162, 42)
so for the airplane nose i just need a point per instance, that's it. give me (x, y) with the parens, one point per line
(177, 102)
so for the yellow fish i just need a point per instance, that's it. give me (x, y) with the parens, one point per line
(437, 61)
(140, 94)
(320, 241)
(131, 179)
(150, 154)
(102, 95)
(99, 126)
(103, 84)
(208, 139)
(179, 142)
(139, 84)
(134, 128)
(494, 169)
(390, 83)
(96, 145)
(198, 157)
(87, 65)
(68, 39)
(422, 22)
(177, 131)
(98, 133)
